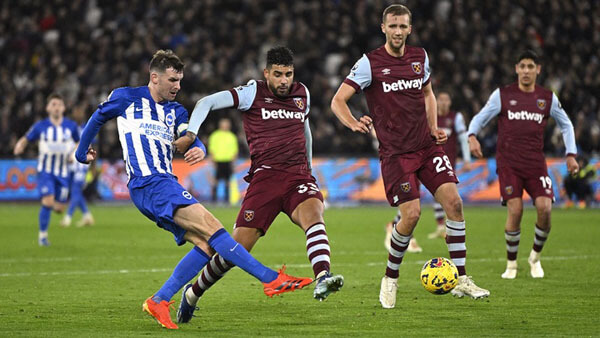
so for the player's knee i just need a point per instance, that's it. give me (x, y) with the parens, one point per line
(544, 209)
(454, 206)
(411, 217)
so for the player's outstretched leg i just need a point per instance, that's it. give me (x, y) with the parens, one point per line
(212, 273)
(158, 305)
(274, 282)
(319, 252)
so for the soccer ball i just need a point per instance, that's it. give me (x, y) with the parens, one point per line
(439, 275)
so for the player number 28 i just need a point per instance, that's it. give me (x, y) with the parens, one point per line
(439, 163)
(302, 188)
(546, 182)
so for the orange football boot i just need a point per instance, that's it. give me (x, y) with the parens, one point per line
(160, 312)
(285, 283)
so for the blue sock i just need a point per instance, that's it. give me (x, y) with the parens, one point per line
(188, 268)
(83, 205)
(45, 217)
(71, 208)
(232, 251)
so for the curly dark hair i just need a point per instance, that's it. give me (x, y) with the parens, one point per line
(280, 55)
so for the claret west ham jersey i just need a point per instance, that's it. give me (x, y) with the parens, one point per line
(522, 117)
(393, 87)
(274, 126)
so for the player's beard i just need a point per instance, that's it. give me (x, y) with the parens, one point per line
(394, 47)
(275, 91)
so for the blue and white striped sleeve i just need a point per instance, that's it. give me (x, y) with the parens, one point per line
(487, 113)
(564, 123)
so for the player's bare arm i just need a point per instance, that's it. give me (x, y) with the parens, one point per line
(339, 106)
(20, 146)
(431, 108)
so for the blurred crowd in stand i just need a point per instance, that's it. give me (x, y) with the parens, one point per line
(83, 49)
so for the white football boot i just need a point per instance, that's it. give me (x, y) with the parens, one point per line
(511, 270)
(466, 287)
(86, 220)
(387, 293)
(65, 221)
(535, 265)
(440, 232)
(413, 246)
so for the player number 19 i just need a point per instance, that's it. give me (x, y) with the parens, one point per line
(439, 163)
(546, 182)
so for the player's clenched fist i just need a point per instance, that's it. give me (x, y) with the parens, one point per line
(440, 136)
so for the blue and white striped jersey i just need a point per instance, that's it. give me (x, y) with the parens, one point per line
(56, 144)
(146, 129)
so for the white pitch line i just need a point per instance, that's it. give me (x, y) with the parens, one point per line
(380, 263)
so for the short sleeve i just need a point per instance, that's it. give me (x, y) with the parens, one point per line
(243, 96)
(75, 134)
(33, 134)
(360, 74)
(181, 119)
(459, 123)
(427, 74)
(115, 105)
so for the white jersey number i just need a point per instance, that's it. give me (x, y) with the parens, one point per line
(439, 163)
(302, 188)
(546, 182)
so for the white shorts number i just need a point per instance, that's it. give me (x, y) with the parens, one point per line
(439, 163)
(302, 188)
(546, 182)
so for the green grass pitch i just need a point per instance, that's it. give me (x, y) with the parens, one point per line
(92, 281)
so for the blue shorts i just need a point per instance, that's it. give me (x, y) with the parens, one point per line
(158, 197)
(49, 184)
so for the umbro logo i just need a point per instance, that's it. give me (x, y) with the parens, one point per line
(386, 71)
(268, 100)
(513, 102)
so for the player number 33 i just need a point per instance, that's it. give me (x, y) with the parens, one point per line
(302, 188)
